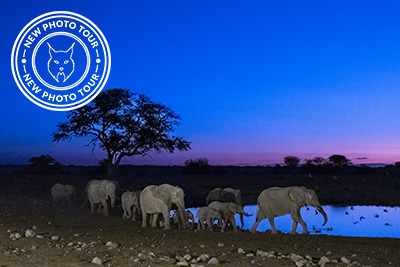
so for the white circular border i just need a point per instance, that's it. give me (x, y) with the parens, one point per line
(87, 60)
(102, 81)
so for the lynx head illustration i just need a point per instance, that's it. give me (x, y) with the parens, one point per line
(61, 65)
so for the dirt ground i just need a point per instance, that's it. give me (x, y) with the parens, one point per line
(74, 237)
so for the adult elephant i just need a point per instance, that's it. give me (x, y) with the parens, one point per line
(99, 191)
(226, 195)
(159, 199)
(275, 201)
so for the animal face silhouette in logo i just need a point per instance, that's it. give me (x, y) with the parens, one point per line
(61, 65)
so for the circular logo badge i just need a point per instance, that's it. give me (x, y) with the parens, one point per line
(61, 61)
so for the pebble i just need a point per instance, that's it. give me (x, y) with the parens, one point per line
(221, 245)
(250, 255)
(241, 251)
(182, 263)
(97, 261)
(39, 236)
(213, 261)
(54, 238)
(29, 233)
(344, 260)
(187, 257)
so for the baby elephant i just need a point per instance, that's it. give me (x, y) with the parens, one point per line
(63, 192)
(206, 216)
(187, 214)
(228, 211)
(130, 205)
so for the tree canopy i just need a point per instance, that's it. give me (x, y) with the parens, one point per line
(291, 161)
(339, 160)
(123, 124)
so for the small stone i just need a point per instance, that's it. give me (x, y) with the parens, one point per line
(34, 227)
(203, 258)
(354, 255)
(17, 235)
(76, 235)
(39, 236)
(97, 261)
(182, 263)
(308, 257)
(241, 251)
(29, 233)
(344, 260)
(221, 244)
(151, 256)
(187, 257)
(213, 261)
(141, 256)
(250, 255)
(323, 261)
(202, 246)
(54, 238)
(328, 253)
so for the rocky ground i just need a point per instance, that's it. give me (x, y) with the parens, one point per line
(34, 233)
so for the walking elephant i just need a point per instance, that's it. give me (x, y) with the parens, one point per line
(227, 195)
(228, 211)
(176, 219)
(63, 192)
(99, 191)
(130, 205)
(206, 216)
(275, 201)
(159, 199)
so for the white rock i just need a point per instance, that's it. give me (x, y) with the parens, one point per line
(328, 253)
(180, 258)
(39, 236)
(323, 261)
(34, 227)
(97, 261)
(296, 258)
(250, 255)
(54, 237)
(354, 255)
(187, 257)
(308, 257)
(182, 263)
(344, 260)
(213, 261)
(70, 244)
(301, 263)
(17, 235)
(221, 244)
(29, 233)
(203, 257)
(241, 251)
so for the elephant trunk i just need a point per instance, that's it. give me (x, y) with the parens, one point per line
(112, 201)
(321, 210)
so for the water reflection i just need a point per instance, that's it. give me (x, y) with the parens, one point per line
(363, 221)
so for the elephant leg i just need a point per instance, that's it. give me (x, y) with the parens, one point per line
(272, 223)
(68, 201)
(91, 206)
(233, 222)
(294, 227)
(296, 215)
(166, 213)
(154, 218)
(124, 215)
(255, 226)
(134, 214)
(144, 218)
(105, 206)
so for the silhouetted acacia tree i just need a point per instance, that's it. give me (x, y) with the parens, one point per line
(339, 160)
(317, 161)
(291, 161)
(123, 124)
(196, 166)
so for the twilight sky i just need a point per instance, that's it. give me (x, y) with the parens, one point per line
(253, 81)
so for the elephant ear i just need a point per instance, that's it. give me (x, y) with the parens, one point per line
(232, 207)
(163, 193)
(297, 194)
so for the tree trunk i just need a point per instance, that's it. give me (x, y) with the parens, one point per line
(111, 171)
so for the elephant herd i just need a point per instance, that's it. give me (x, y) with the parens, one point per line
(154, 204)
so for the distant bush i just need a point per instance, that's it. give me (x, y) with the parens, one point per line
(43, 164)
(291, 161)
(197, 166)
